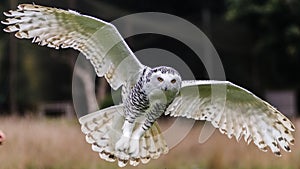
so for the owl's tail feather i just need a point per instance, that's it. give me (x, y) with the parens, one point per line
(104, 128)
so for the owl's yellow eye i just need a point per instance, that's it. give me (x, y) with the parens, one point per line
(160, 79)
(173, 81)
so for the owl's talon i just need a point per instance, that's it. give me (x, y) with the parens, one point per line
(123, 144)
(134, 148)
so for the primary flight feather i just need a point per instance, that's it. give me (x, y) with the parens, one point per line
(129, 133)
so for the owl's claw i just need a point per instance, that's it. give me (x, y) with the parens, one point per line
(126, 146)
(134, 148)
(123, 144)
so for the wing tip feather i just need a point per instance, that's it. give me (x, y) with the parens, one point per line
(6, 29)
(28, 6)
(7, 13)
(277, 153)
(5, 22)
(21, 6)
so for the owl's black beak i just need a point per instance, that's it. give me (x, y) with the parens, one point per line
(165, 89)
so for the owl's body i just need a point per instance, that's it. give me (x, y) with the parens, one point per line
(144, 103)
(128, 132)
(151, 95)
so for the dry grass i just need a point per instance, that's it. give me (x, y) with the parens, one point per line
(59, 144)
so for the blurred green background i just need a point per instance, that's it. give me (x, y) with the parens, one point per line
(257, 41)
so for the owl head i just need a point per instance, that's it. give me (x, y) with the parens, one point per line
(166, 79)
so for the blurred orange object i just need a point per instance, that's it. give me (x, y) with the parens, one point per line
(2, 137)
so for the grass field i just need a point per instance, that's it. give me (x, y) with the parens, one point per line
(59, 144)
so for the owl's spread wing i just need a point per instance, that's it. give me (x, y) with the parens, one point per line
(236, 112)
(98, 40)
(104, 128)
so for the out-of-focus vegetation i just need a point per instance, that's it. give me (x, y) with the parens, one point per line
(275, 28)
(258, 43)
(59, 144)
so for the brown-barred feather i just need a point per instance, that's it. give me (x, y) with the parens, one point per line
(239, 114)
(104, 128)
(98, 40)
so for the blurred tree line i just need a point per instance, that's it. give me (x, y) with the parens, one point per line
(257, 41)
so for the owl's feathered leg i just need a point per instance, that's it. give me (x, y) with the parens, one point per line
(135, 140)
(127, 128)
(129, 141)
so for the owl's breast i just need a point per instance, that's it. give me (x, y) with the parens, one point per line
(161, 96)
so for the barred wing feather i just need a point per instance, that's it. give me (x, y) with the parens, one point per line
(98, 40)
(104, 128)
(236, 112)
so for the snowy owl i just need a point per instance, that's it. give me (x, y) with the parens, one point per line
(128, 133)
